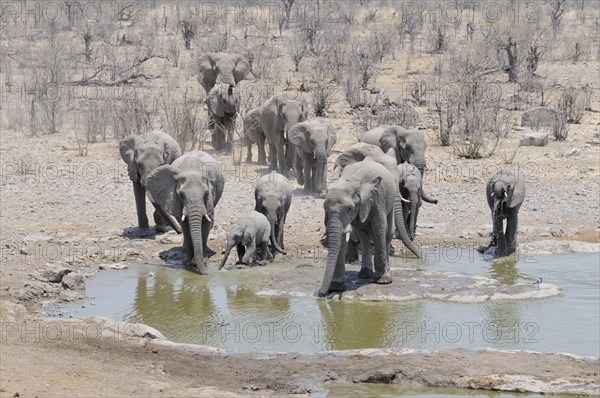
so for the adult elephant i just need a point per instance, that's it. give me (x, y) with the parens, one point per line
(278, 115)
(224, 71)
(411, 188)
(190, 187)
(405, 145)
(360, 151)
(144, 153)
(223, 105)
(273, 196)
(313, 142)
(253, 134)
(505, 194)
(362, 200)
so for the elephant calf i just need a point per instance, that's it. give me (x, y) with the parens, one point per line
(273, 195)
(505, 194)
(249, 233)
(144, 153)
(312, 142)
(191, 187)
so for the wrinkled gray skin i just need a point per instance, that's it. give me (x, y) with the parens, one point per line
(359, 152)
(253, 134)
(223, 105)
(144, 153)
(248, 233)
(277, 117)
(313, 142)
(405, 145)
(411, 191)
(189, 190)
(362, 200)
(226, 71)
(505, 194)
(273, 196)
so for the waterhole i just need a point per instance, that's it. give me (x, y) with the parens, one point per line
(223, 310)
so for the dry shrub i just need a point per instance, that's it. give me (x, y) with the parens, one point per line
(573, 102)
(184, 119)
(130, 114)
(94, 120)
(322, 95)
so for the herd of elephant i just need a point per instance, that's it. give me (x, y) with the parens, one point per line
(376, 187)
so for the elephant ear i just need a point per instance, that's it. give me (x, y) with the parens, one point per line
(299, 134)
(206, 71)
(161, 187)
(518, 195)
(389, 141)
(127, 149)
(332, 138)
(241, 68)
(368, 196)
(213, 103)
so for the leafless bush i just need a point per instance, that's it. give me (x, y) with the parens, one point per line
(363, 60)
(322, 95)
(419, 91)
(94, 120)
(355, 94)
(129, 114)
(561, 127)
(184, 119)
(297, 50)
(173, 52)
(401, 114)
(437, 35)
(573, 102)
(381, 41)
(264, 65)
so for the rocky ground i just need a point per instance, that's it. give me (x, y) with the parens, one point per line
(61, 212)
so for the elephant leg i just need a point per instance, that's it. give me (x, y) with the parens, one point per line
(280, 228)
(262, 158)
(382, 265)
(273, 155)
(241, 250)
(265, 253)
(500, 237)
(249, 153)
(187, 240)
(308, 174)
(282, 158)
(250, 250)
(337, 282)
(206, 227)
(352, 252)
(140, 203)
(511, 230)
(161, 224)
(366, 270)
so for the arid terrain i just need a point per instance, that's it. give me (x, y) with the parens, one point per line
(61, 206)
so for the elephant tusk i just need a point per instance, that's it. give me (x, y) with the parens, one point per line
(404, 200)
(492, 194)
(207, 217)
(505, 195)
(347, 236)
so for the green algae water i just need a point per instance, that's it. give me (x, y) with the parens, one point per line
(223, 310)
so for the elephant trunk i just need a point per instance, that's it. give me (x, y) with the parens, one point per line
(230, 245)
(334, 234)
(421, 166)
(320, 172)
(414, 200)
(273, 239)
(195, 218)
(226, 78)
(401, 226)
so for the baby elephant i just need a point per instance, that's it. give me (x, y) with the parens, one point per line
(505, 194)
(248, 233)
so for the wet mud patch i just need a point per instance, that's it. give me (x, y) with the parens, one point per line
(408, 284)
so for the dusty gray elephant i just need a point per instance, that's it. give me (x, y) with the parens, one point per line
(144, 153)
(411, 191)
(190, 187)
(273, 195)
(359, 152)
(223, 105)
(362, 200)
(406, 145)
(505, 194)
(248, 233)
(313, 142)
(223, 71)
(278, 115)
(253, 134)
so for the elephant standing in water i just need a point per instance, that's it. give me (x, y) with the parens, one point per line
(189, 190)
(410, 191)
(144, 153)
(277, 116)
(226, 71)
(249, 233)
(313, 142)
(405, 145)
(505, 194)
(273, 195)
(362, 200)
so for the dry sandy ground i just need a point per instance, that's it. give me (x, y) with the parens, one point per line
(58, 208)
